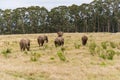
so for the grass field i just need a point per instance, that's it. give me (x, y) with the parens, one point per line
(43, 63)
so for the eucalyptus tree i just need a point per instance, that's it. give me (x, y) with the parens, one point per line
(54, 19)
(75, 17)
(32, 19)
(15, 18)
(115, 4)
(97, 8)
(7, 21)
(43, 20)
(110, 16)
(18, 20)
(37, 17)
(107, 14)
(59, 18)
(101, 19)
(1, 22)
(85, 15)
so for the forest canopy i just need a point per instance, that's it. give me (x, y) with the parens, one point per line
(97, 16)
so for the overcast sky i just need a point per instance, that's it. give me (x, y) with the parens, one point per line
(48, 4)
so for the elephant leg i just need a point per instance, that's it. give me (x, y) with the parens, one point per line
(55, 44)
(62, 43)
(28, 48)
(42, 43)
(39, 43)
(23, 48)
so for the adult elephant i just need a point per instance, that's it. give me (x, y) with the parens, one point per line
(24, 44)
(84, 40)
(42, 39)
(59, 41)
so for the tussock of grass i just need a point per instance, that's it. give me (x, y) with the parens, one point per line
(77, 45)
(113, 45)
(108, 54)
(34, 56)
(61, 55)
(104, 45)
(6, 52)
(92, 47)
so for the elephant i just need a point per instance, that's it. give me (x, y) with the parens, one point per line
(42, 39)
(84, 40)
(59, 41)
(60, 34)
(24, 44)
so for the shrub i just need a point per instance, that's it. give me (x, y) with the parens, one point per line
(92, 47)
(34, 56)
(104, 45)
(63, 49)
(45, 46)
(103, 55)
(103, 64)
(61, 55)
(77, 45)
(99, 50)
(25, 52)
(110, 54)
(6, 52)
(52, 58)
(112, 44)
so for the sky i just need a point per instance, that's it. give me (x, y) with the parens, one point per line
(48, 4)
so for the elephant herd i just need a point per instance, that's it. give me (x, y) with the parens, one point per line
(59, 41)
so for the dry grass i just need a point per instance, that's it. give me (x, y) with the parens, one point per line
(80, 64)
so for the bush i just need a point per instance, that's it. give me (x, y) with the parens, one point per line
(6, 52)
(52, 58)
(104, 45)
(103, 64)
(45, 46)
(63, 49)
(109, 54)
(77, 45)
(25, 52)
(92, 47)
(98, 50)
(103, 55)
(34, 56)
(113, 45)
(61, 56)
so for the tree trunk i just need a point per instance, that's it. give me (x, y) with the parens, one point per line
(108, 24)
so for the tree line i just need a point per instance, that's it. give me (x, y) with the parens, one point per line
(97, 16)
